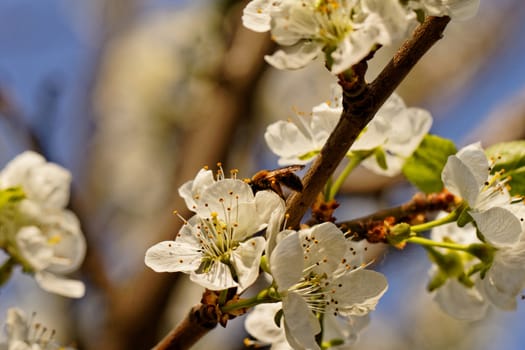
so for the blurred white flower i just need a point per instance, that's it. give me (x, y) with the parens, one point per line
(23, 334)
(260, 324)
(216, 246)
(315, 270)
(396, 131)
(500, 286)
(346, 30)
(42, 233)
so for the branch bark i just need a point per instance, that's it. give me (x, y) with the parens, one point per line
(359, 107)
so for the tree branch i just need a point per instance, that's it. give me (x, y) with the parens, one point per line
(199, 321)
(360, 103)
(420, 204)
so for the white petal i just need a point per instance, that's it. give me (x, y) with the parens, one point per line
(286, 262)
(498, 225)
(173, 256)
(34, 247)
(288, 142)
(191, 190)
(274, 227)
(296, 56)
(219, 196)
(268, 203)
(256, 15)
(353, 48)
(260, 324)
(219, 277)
(58, 285)
(326, 247)
(461, 302)
(475, 159)
(359, 291)
(301, 326)
(459, 179)
(246, 259)
(501, 299)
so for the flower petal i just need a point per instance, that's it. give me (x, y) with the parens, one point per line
(286, 270)
(288, 142)
(459, 179)
(358, 292)
(300, 324)
(34, 247)
(461, 302)
(219, 277)
(191, 190)
(326, 246)
(296, 56)
(58, 285)
(256, 15)
(173, 256)
(260, 324)
(246, 259)
(500, 226)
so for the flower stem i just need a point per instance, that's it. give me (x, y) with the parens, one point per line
(264, 296)
(430, 243)
(453, 216)
(353, 162)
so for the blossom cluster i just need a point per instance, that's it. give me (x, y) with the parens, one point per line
(346, 31)
(392, 136)
(496, 220)
(38, 232)
(314, 270)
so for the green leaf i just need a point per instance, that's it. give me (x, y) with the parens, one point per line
(510, 157)
(423, 168)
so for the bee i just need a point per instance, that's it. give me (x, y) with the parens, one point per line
(273, 179)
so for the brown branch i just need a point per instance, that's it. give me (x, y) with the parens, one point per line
(197, 323)
(360, 105)
(420, 204)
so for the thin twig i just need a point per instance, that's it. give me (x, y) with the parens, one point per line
(420, 204)
(358, 109)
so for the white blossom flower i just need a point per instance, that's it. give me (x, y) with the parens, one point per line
(453, 297)
(467, 175)
(458, 9)
(216, 246)
(22, 334)
(314, 271)
(46, 236)
(346, 30)
(396, 131)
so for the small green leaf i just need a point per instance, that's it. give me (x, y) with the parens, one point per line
(510, 157)
(423, 168)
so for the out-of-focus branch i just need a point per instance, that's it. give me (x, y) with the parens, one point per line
(360, 103)
(136, 310)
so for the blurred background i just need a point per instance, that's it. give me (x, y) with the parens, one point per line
(135, 96)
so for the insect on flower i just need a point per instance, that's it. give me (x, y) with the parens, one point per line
(273, 179)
